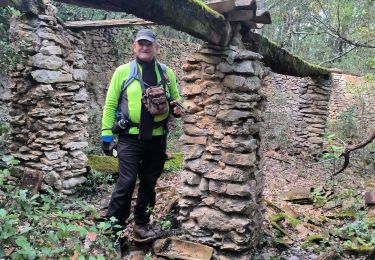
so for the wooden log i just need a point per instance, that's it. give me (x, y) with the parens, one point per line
(106, 23)
(192, 17)
(240, 15)
(221, 6)
(228, 6)
(262, 16)
(32, 181)
(245, 4)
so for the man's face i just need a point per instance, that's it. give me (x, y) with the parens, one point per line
(145, 50)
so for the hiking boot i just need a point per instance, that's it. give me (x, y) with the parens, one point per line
(143, 232)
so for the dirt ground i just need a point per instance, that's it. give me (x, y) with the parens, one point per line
(331, 208)
(336, 206)
(323, 217)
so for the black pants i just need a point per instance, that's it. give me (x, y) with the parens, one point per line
(144, 159)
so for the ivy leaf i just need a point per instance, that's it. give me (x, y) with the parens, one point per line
(3, 213)
(46, 251)
(7, 158)
(22, 242)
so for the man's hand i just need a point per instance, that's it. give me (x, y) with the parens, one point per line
(176, 108)
(108, 148)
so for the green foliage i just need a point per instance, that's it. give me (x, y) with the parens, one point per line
(314, 239)
(174, 165)
(95, 179)
(332, 150)
(311, 30)
(102, 167)
(174, 134)
(354, 125)
(74, 13)
(318, 198)
(123, 40)
(165, 224)
(4, 128)
(5, 14)
(360, 236)
(346, 125)
(50, 226)
(148, 256)
(10, 56)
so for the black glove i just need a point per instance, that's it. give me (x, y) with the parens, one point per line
(108, 148)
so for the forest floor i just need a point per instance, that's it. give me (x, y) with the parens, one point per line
(308, 215)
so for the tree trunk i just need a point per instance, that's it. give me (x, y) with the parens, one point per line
(189, 16)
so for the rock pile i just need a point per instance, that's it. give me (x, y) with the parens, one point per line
(222, 185)
(49, 107)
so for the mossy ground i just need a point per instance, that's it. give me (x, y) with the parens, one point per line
(109, 165)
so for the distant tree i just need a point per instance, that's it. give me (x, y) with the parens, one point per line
(72, 12)
(330, 33)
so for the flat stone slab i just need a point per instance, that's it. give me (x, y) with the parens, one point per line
(174, 248)
(370, 198)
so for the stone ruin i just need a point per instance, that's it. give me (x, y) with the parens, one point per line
(222, 182)
(49, 103)
(49, 113)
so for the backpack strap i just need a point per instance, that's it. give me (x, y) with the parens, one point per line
(164, 79)
(133, 74)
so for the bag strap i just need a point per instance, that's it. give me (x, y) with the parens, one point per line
(164, 78)
(133, 74)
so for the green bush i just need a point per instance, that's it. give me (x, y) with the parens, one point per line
(50, 226)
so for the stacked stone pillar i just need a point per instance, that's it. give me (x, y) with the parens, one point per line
(312, 115)
(221, 188)
(48, 113)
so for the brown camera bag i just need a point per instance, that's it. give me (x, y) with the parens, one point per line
(155, 100)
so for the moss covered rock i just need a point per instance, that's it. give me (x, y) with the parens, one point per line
(109, 165)
(104, 164)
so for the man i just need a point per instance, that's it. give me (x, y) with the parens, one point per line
(142, 128)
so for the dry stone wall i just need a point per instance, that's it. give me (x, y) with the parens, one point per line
(282, 94)
(221, 190)
(102, 58)
(312, 115)
(49, 107)
(298, 109)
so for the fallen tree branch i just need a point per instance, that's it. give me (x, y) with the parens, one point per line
(338, 56)
(346, 153)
